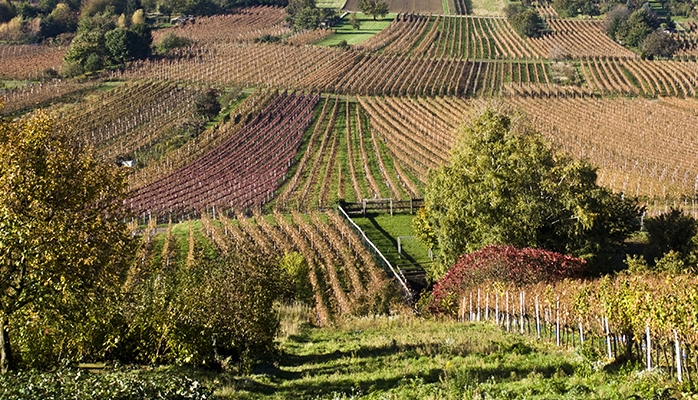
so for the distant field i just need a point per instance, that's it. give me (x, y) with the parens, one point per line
(406, 6)
(369, 28)
(488, 7)
(334, 4)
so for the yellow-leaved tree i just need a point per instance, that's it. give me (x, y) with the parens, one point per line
(62, 235)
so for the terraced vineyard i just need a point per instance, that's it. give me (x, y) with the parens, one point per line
(344, 276)
(644, 148)
(318, 125)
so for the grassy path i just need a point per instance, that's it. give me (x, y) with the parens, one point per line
(410, 358)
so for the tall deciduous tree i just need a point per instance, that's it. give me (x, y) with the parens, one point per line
(61, 230)
(504, 185)
(374, 7)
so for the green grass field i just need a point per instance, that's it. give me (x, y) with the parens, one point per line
(383, 230)
(411, 358)
(344, 30)
(488, 7)
(333, 4)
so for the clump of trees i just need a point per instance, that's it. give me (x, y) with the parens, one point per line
(641, 29)
(305, 14)
(76, 287)
(525, 20)
(104, 40)
(171, 41)
(504, 185)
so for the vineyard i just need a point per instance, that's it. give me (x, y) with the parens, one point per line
(646, 317)
(303, 128)
(643, 148)
(29, 62)
(344, 276)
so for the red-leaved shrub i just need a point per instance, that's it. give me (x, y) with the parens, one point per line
(506, 264)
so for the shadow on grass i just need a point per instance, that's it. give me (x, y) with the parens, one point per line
(331, 372)
(393, 241)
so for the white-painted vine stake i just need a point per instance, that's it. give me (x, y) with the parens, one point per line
(679, 374)
(521, 302)
(557, 322)
(470, 316)
(581, 332)
(537, 317)
(508, 320)
(462, 308)
(648, 344)
(478, 304)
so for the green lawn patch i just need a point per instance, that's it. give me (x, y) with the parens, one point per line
(411, 358)
(384, 229)
(488, 7)
(333, 4)
(344, 30)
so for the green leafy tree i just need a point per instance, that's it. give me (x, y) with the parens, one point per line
(294, 278)
(304, 14)
(615, 18)
(527, 23)
(207, 104)
(7, 11)
(504, 185)
(61, 233)
(62, 19)
(636, 28)
(118, 42)
(658, 44)
(354, 20)
(172, 41)
(671, 231)
(375, 8)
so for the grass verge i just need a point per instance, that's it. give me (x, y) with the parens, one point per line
(345, 31)
(410, 358)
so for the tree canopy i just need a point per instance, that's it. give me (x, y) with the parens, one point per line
(61, 231)
(375, 8)
(304, 14)
(525, 21)
(504, 185)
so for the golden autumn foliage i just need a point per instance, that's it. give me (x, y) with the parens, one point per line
(62, 235)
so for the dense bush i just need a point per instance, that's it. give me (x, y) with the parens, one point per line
(506, 265)
(525, 21)
(70, 384)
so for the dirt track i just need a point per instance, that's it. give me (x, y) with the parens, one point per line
(405, 6)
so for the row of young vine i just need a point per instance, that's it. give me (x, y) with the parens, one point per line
(652, 318)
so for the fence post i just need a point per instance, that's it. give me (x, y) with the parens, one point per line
(537, 316)
(679, 374)
(478, 304)
(608, 338)
(508, 321)
(487, 306)
(557, 321)
(648, 344)
(581, 333)
(470, 316)
(522, 298)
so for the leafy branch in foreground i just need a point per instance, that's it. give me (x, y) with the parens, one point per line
(61, 229)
